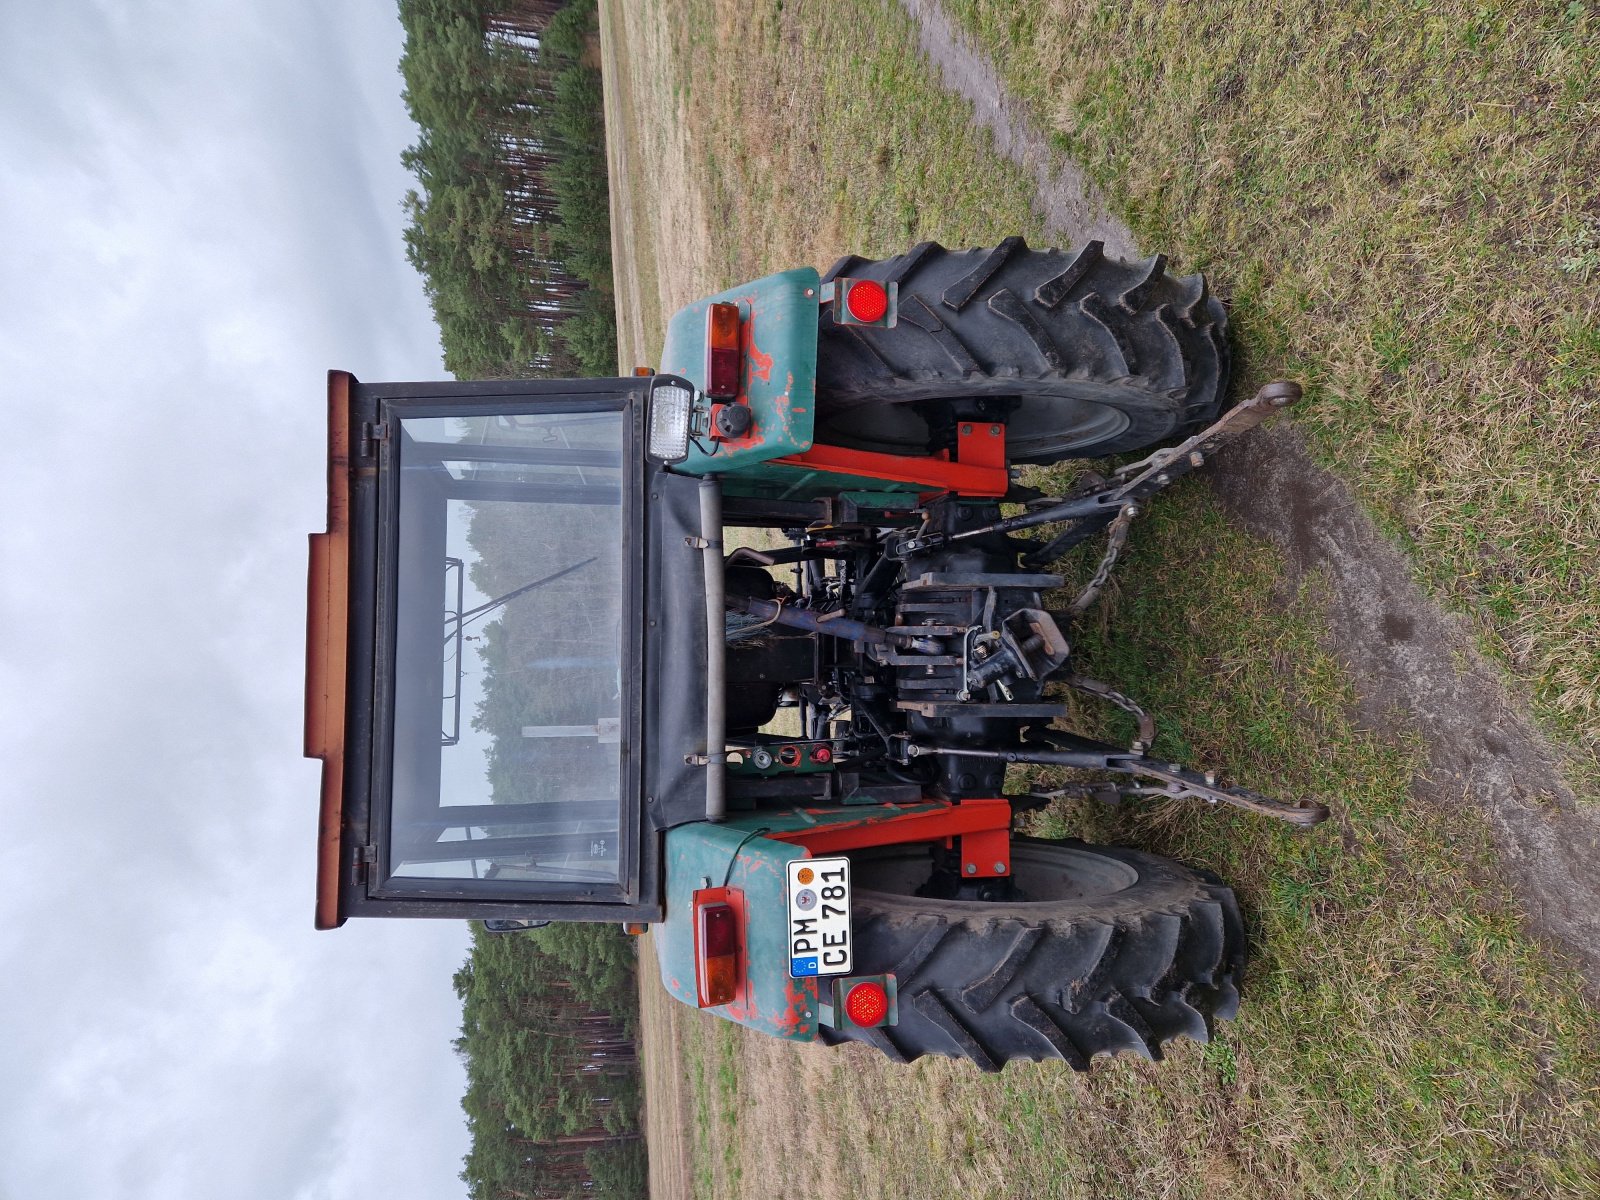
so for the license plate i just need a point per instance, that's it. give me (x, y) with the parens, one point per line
(819, 917)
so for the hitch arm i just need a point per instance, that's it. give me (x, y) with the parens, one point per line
(1178, 781)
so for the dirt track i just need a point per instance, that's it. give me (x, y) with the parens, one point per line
(669, 1109)
(1413, 663)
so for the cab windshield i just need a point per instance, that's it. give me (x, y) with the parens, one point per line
(509, 689)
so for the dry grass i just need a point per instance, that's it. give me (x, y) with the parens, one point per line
(1400, 1036)
(668, 1101)
(660, 227)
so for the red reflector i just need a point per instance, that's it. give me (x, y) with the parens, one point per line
(722, 373)
(821, 754)
(718, 930)
(867, 300)
(867, 1004)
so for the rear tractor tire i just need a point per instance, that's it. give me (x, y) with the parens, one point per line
(1106, 950)
(1081, 354)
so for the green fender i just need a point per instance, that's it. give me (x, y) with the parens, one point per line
(754, 866)
(703, 855)
(778, 376)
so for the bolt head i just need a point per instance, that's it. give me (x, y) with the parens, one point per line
(972, 868)
(1000, 867)
(994, 431)
(965, 429)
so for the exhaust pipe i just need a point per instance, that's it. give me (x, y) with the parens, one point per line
(716, 649)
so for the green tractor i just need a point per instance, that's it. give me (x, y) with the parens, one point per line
(741, 650)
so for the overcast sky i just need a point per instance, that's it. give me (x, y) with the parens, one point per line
(202, 215)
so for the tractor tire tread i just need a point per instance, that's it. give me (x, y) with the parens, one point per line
(1049, 326)
(1123, 973)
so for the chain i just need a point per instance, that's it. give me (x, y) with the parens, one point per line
(1103, 691)
(1117, 538)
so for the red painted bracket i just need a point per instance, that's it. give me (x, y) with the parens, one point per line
(986, 854)
(978, 470)
(981, 444)
(984, 827)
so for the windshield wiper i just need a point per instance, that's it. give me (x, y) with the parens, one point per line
(455, 625)
(484, 609)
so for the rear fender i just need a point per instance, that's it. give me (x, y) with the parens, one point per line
(778, 370)
(702, 855)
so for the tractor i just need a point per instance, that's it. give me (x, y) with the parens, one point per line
(740, 650)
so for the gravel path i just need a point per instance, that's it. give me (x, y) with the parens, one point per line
(1411, 661)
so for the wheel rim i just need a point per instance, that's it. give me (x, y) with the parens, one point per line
(1050, 425)
(1046, 874)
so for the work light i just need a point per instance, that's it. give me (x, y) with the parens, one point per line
(671, 411)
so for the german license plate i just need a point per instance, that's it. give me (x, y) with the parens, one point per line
(819, 917)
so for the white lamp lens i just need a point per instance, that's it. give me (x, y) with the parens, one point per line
(670, 408)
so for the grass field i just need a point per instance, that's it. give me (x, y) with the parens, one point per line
(1403, 202)
(1418, 245)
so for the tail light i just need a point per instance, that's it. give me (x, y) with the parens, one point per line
(716, 947)
(722, 350)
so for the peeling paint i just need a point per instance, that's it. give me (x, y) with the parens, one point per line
(759, 365)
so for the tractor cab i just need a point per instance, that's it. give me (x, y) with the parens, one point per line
(477, 649)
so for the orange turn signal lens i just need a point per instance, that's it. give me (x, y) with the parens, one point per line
(721, 982)
(723, 327)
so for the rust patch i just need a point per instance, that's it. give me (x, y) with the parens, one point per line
(799, 996)
(759, 365)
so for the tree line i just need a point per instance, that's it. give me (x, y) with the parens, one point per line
(549, 1022)
(510, 224)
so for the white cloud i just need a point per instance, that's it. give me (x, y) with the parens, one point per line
(208, 198)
